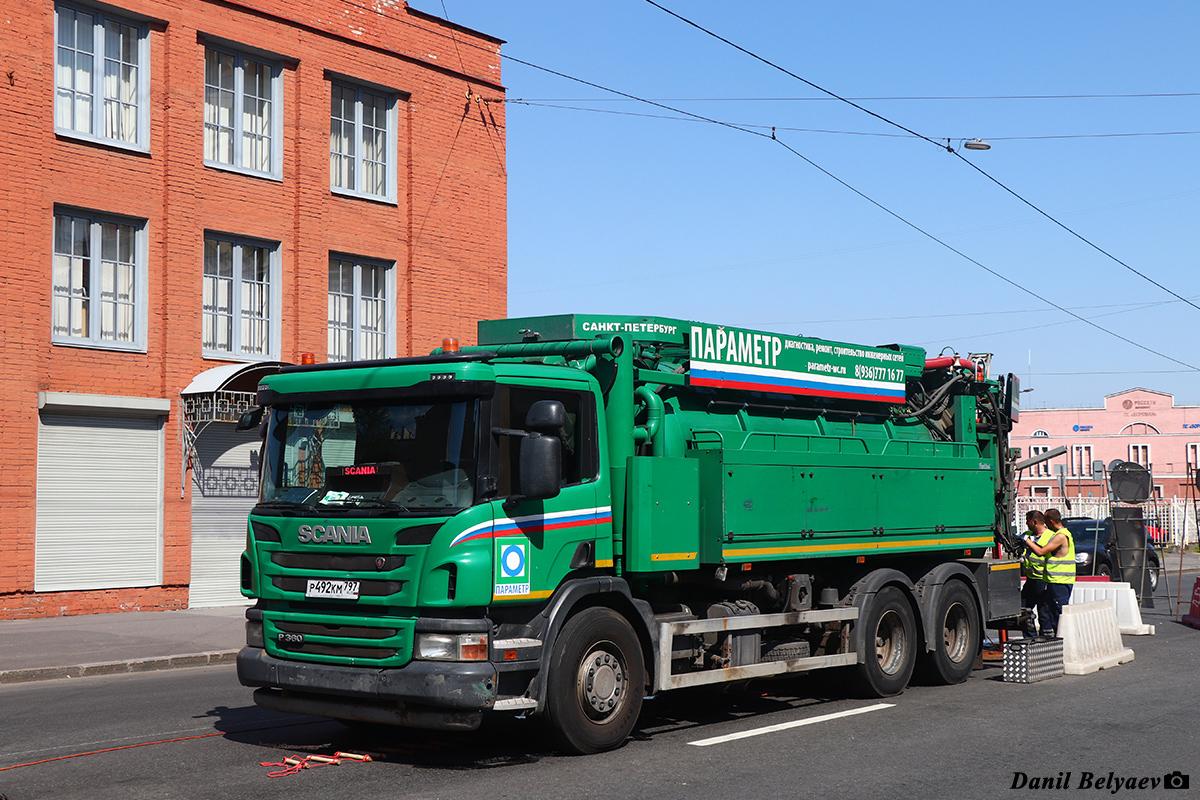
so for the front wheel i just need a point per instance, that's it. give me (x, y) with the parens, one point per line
(596, 682)
(957, 635)
(891, 644)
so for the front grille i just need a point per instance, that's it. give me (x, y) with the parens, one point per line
(366, 588)
(345, 651)
(349, 631)
(316, 561)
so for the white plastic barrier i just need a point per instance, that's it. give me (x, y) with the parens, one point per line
(1091, 638)
(1123, 599)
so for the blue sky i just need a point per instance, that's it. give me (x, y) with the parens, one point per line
(631, 213)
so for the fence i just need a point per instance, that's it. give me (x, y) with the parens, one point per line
(1174, 519)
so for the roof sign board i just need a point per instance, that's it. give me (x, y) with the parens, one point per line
(736, 358)
(731, 358)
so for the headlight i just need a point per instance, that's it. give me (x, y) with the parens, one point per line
(1081, 558)
(254, 633)
(451, 646)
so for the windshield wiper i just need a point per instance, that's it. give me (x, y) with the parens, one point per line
(375, 502)
(287, 504)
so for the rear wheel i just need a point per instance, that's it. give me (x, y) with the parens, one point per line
(596, 682)
(891, 644)
(1152, 569)
(957, 635)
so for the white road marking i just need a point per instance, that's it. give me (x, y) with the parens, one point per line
(785, 725)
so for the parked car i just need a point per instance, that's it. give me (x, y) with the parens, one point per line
(1092, 541)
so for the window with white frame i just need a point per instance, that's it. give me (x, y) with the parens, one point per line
(362, 141)
(1039, 433)
(242, 112)
(241, 298)
(101, 71)
(1140, 454)
(98, 281)
(361, 309)
(1081, 460)
(1041, 469)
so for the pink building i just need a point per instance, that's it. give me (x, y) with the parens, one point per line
(1136, 425)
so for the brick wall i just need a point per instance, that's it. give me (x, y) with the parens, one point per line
(446, 233)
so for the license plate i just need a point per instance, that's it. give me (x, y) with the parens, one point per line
(337, 590)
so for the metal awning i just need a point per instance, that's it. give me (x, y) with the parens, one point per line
(224, 393)
(233, 377)
(220, 394)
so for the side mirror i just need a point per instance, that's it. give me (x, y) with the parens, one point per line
(251, 419)
(541, 466)
(546, 416)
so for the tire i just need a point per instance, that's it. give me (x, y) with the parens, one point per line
(957, 636)
(596, 682)
(1105, 570)
(1152, 570)
(891, 645)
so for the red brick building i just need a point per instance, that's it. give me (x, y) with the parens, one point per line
(199, 184)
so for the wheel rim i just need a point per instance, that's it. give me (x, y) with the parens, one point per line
(601, 683)
(956, 633)
(890, 644)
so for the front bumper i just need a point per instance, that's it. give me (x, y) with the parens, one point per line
(467, 686)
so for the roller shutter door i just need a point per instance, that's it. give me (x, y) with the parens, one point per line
(99, 502)
(224, 489)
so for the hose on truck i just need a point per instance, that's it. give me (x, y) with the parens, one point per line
(938, 395)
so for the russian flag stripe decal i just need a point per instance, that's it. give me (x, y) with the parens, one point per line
(535, 523)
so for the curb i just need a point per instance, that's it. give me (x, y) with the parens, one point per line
(213, 658)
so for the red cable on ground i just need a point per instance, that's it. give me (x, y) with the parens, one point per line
(112, 749)
(163, 741)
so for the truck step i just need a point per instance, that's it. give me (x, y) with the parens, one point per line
(515, 644)
(515, 704)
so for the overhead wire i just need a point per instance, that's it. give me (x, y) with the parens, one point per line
(881, 134)
(855, 249)
(773, 137)
(827, 99)
(923, 137)
(959, 315)
(981, 265)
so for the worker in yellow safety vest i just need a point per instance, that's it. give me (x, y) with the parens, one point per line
(1033, 568)
(1059, 552)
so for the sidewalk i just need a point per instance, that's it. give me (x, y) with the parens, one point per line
(130, 641)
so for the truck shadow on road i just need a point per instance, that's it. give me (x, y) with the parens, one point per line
(504, 741)
(702, 710)
(500, 742)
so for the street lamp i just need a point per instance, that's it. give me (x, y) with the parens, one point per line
(977, 144)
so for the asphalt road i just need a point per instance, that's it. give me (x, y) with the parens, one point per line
(194, 733)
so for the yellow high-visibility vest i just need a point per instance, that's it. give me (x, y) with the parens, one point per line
(1033, 566)
(1061, 569)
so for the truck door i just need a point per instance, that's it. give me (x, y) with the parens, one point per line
(537, 541)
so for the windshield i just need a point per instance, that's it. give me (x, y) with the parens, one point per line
(371, 455)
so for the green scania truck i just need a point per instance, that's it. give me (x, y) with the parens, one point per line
(583, 511)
